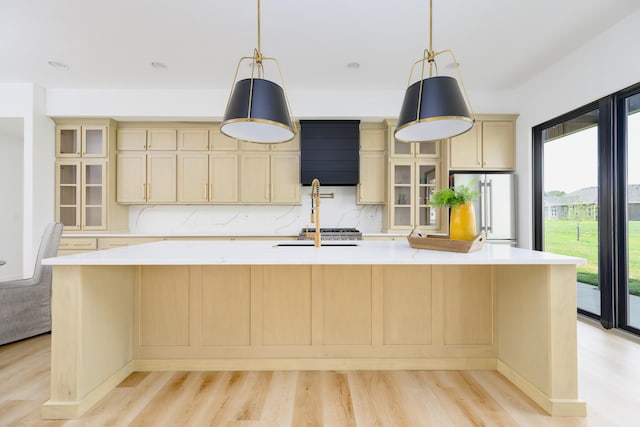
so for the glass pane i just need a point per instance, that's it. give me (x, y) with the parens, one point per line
(68, 174)
(93, 141)
(402, 147)
(68, 216)
(402, 174)
(402, 195)
(633, 211)
(68, 195)
(427, 174)
(93, 196)
(93, 174)
(402, 216)
(427, 147)
(93, 217)
(571, 200)
(68, 141)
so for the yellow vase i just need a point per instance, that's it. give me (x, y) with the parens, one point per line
(462, 225)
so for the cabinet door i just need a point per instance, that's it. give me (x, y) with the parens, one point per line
(254, 177)
(94, 194)
(372, 177)
(427, 181)
(68, 141)
(193, 177)
(498, 151)
(131, 183)
(372, 137)
(223, 177)
(161, 139)
(401, 210)
(253, 146)
(94, 141)
(161, 178)
(465, 150)
(131, 139)
(68, 190)
(293, 145)
(193, 139)
(285, 178)
(220, 141)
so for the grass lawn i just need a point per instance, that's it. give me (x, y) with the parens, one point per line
(561, 237)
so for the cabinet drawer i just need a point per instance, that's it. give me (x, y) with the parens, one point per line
(117, 242)
(78, 244)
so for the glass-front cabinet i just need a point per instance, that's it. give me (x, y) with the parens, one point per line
(412, 184)
(415, 172)
(81, 194)
(81, 141)
(84, 173)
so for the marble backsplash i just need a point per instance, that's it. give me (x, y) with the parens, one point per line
(256, 220)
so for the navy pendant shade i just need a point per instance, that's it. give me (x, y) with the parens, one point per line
(257, 111)
(438, 111)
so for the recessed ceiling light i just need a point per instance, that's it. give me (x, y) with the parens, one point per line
(58, 65)
(353, 65)
(159, 65)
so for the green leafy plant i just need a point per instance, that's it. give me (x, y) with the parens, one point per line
(450, 197)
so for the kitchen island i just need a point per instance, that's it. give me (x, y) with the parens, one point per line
(267, 305)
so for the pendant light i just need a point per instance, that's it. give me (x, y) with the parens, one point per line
(434, 107)
(257, 109)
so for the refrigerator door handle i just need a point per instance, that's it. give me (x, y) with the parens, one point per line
(482, 207)
(489, 202)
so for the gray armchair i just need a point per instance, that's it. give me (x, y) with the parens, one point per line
(25, 305)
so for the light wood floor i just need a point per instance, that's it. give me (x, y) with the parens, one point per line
(608, 371)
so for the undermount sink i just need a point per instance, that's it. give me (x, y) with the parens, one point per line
(311, 245)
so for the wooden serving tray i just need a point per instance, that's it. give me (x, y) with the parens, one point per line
(443, 243)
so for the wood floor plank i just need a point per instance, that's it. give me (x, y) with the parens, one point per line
(609, 380)
(307, 409)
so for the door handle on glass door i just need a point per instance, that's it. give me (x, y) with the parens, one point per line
(489, 202)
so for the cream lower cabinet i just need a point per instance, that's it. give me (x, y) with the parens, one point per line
(146, 177)
(204, 178)
(411, 184)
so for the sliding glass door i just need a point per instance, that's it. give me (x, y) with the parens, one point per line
(586, 200)
(630, 312)
(570, 199)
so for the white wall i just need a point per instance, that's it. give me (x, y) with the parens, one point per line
(11, 177)
(28, 103)
(604, 65)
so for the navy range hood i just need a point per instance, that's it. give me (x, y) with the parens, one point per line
(329, 151)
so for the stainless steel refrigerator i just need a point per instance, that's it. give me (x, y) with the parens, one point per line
(496, 207)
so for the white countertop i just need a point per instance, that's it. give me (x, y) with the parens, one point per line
(266, 252)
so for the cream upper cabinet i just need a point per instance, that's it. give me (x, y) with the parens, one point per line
(81, 141)
(223, 177)
(254, 177)
(146, 177)
(399, 149)
(204, 178)
(161, 139)
(195, 139)
(221, 142)
(285, 178)
(414, 172)
(411, 185)
(152, 139)
(193, 177)
(372, 167)
(489, 145)
(85, 176)
(81, 194)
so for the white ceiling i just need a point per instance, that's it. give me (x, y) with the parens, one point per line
(500, 44)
